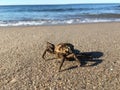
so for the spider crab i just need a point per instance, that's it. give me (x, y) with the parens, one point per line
(64, 51)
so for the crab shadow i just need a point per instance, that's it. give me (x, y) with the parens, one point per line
(93, 57)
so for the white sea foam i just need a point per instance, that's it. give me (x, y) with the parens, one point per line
(22, 23)
(55, 22)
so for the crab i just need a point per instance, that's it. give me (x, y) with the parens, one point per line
(63, 51)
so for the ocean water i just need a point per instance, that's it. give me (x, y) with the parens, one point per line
(27, 15)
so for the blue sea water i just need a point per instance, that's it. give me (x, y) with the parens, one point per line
(27, 15)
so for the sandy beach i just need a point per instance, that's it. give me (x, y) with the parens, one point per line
(22, 67)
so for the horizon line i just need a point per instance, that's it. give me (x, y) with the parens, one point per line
(56, 4)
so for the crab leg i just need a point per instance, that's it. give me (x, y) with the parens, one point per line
(43, 56)
(61, 63)
(74, 56)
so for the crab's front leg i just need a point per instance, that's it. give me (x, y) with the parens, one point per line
(61, 64)
(44, 53)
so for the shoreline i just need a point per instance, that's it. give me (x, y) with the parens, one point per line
(61, 25)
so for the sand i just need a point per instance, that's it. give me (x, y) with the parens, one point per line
(22, 68)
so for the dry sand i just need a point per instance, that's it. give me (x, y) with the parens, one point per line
(22, 68)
